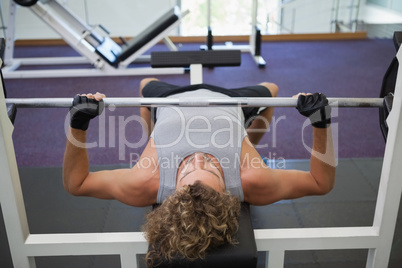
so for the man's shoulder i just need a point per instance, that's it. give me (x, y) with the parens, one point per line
(252, 165)
(250, 159)
(148, 160)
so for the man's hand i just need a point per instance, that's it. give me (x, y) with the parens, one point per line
(84, 108)
(315, 107)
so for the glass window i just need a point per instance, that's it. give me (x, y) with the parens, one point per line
(226, 17)
(383, 3)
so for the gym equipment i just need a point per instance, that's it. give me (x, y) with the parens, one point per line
(93, 43)
(195, 60)
(200, 102)
(254, 46)
(188, 58)
(377, 238)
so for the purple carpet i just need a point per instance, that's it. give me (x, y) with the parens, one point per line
(336, 68)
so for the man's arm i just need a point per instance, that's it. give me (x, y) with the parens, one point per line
(131, 186)
(76, 163)
(322, 161)
(265, 186)
(291, 184)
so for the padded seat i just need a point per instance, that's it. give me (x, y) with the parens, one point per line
(149, 33)
(114, 54)
(207, 58)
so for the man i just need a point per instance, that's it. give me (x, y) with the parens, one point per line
(200, 163)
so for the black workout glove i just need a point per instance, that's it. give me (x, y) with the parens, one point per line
(316, 108)
(83, 110)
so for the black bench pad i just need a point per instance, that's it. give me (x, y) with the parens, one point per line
(150, 33)
(208, 58)
(242, 255)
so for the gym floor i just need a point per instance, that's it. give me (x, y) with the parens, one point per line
(345, 68)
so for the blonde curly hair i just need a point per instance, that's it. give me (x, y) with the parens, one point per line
(190, 222)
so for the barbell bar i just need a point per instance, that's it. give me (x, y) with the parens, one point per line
(190, 102)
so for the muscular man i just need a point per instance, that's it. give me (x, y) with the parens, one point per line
(203, 164)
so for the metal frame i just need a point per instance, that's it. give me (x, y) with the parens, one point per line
(71, 28)
(377, 238)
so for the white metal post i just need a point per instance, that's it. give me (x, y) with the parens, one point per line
(209, 13)
(389, 193)
(195, 74)
(11, 199)
(275, 258)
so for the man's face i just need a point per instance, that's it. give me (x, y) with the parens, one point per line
(201, 167)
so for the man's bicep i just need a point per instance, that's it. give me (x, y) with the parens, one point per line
(124, 185)
(274, 185)
(103, 184)
(295, 184)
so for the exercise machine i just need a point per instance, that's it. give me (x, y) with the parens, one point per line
(92, 43)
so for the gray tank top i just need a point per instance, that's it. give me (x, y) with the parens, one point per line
(182, 131)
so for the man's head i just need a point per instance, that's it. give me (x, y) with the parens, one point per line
(201, 167)
(195, 219)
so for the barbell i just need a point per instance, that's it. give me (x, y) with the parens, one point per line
(190, 102)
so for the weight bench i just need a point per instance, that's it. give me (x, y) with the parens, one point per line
(195, 60)
(92, 43)
(244, 254)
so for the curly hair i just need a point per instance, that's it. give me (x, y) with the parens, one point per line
(190, 222)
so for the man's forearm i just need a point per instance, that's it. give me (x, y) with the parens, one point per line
(75, 165)
(323, 160)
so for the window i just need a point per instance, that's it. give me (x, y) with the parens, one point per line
(227, 17)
